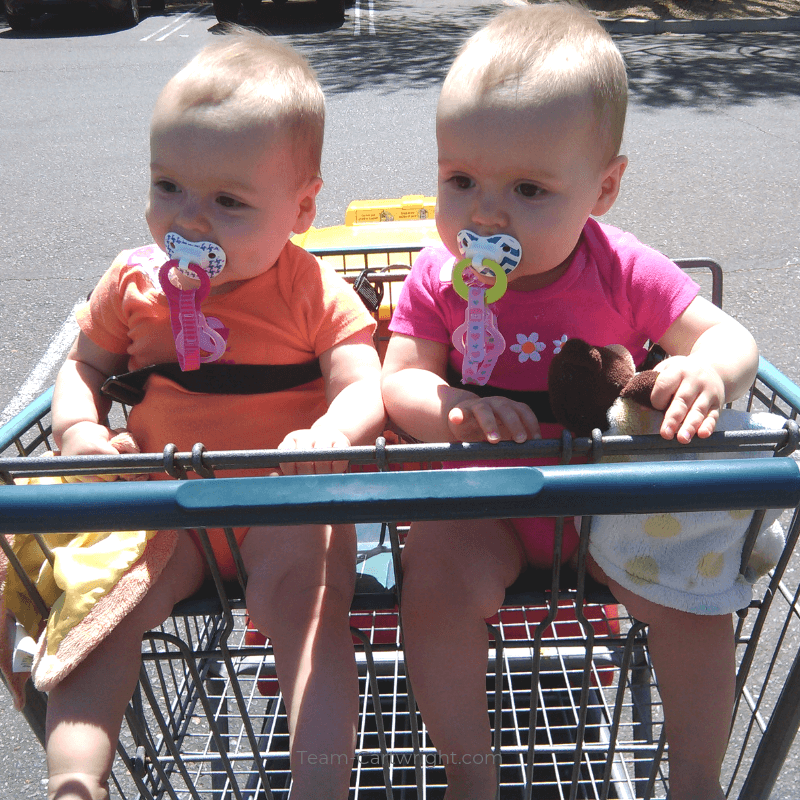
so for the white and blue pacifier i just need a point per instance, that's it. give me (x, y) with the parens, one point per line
(208, 256)
(501, 248)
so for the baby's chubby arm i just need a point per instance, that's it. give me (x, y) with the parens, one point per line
(78, 407)
(355, 416)
(713, 361)
(421, 402)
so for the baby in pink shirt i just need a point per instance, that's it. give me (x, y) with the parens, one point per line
(529, 128)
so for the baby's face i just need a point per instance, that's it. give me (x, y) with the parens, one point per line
(536, 174)
(236, 188)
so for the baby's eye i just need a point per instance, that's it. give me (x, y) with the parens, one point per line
(167, 186)
(229, 202)
(462, 182)
(529, 190)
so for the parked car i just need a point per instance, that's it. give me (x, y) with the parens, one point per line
(228, 10)
(21, 13)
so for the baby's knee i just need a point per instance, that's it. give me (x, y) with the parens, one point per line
(79, 761)
(296, 598)
(426, 576)
(155, 607)
(76, 786)
(433, 587)
(181, 577)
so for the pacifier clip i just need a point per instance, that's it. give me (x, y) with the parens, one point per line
(478, 337)
(197, 339)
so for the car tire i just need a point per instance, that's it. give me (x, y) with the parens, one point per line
(129, 16)
(17, 21)
(331, 10)
(227, 10)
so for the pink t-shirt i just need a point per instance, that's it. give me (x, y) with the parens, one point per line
(615, 291)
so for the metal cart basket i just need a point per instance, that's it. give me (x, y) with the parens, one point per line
(574, 703)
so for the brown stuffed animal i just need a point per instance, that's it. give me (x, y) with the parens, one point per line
(686, 560)
(584, 381)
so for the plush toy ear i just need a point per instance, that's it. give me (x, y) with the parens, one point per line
(583, 382)
(639, 387)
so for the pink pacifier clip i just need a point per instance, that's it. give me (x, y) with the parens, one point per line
(483, 343)
(479, 338)
(190, 329)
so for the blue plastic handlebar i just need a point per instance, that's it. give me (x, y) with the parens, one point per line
(477, 493)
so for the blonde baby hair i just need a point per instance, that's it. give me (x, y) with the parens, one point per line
(248, 78)
(533, 53)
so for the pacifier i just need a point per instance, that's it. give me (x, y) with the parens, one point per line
(197, 339)
(479, 338)
(501, 248)
(208, 256)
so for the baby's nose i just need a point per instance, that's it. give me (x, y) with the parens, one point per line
(489, 210)
(192, 215)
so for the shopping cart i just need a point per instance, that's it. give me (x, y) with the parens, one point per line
(574, 702)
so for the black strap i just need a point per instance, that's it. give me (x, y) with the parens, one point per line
(214, 379)
(371, 294)
(539, 402)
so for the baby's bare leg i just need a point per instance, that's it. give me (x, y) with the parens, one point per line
(85, 710)
(454, 577)
(300, 586)
(694, 661)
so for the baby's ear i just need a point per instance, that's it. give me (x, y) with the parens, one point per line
(609, 188)
(307, 205)
(639, 387)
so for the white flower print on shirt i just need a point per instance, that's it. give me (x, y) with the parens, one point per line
(559, 343)
(528, 347)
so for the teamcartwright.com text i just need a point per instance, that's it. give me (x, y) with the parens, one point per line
(396, 759)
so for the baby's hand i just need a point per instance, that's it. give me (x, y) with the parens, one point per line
(493, 419)
(87, 439)
(692, 392)
(320, 438)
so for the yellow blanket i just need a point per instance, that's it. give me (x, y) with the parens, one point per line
(87, 566)
(94, 581)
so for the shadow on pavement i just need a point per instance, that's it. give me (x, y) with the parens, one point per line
(706, 71)
(401, 51)
(405, 51)
(398, 50)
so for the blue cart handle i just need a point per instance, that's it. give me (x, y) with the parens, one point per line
(476, 493)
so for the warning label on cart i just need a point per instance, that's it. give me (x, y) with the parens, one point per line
(404, 209)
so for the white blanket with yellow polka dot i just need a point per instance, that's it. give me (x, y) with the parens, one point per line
(689, 561)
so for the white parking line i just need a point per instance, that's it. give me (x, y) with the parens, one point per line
(370, 18)
(175, 25)
(35, 382)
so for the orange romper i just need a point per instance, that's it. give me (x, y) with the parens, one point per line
(290, 314)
